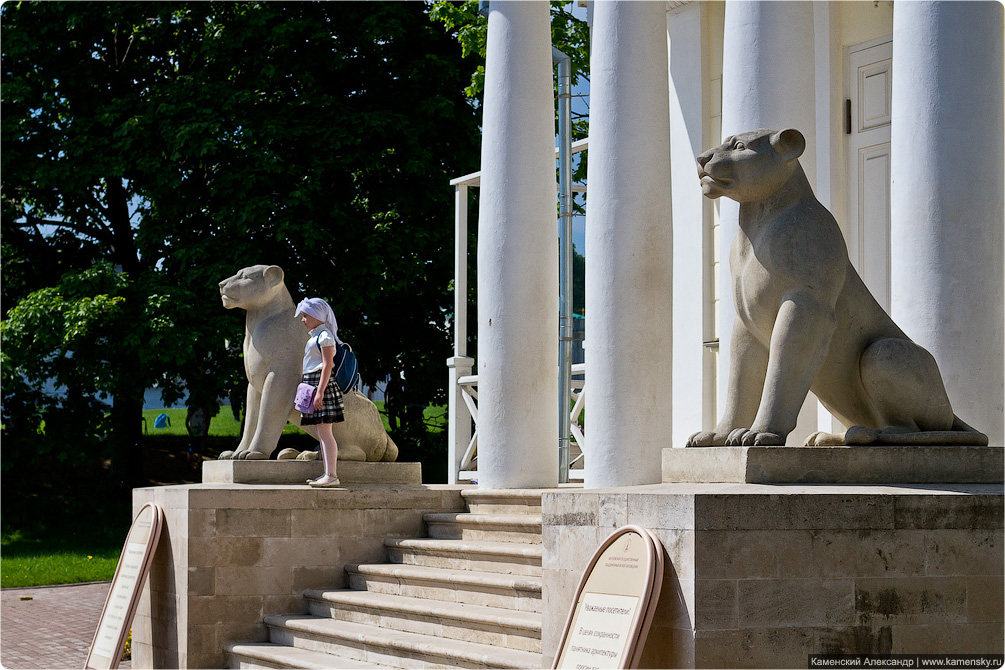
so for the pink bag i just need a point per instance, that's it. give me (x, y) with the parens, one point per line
(304, 401)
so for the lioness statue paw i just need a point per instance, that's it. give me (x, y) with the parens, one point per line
(768, 440)
(226, 455)
(824, 439)
(250, 455)
(308, 456)
(745, 437)
(703, 438)
(735, 437)
(287, 454)
(861, 435)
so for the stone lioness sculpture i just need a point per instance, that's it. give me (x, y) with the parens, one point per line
(273, 355)
(806, 321)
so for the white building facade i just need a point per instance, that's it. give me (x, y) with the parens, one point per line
(902, 107)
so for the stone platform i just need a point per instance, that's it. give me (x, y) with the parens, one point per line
(232, 554)
(834, 465)
(298, 472)
(762, 575)
(776, 553)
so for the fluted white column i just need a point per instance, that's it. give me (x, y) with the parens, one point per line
(518, 255)
(628, 243)
(767, 82)
(946, 201)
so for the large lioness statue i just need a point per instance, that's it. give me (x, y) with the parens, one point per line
(274, 344)
(806, 321)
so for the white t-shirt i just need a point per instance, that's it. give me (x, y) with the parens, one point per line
(312, 357)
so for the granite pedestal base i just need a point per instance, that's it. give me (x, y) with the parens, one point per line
(298, 472)
(763, 575)
(231, 554)
(834, 465)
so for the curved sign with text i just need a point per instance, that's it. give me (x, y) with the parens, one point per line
(123, 596)
(614, 603)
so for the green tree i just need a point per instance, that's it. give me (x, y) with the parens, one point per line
(150, 150)
(569, 34)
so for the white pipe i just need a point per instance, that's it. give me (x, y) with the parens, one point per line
(565, 324)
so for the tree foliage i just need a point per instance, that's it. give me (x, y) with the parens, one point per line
(569, 34)
(152, 149)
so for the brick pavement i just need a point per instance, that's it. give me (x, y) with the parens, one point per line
(52, 630)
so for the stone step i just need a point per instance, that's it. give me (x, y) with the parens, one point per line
(512, 558)
(360, 642)
(456, 621)
(521, 593)
(255, 655)
(524, 528)
(503, 501)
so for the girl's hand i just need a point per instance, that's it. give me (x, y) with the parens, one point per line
(318, 399)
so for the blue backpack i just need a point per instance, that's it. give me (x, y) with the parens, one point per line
(345, 370)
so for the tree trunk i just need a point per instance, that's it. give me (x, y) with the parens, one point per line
(127, 436)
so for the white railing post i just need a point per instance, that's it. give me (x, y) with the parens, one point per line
(459, 365)
(459, 426)
(460, 270)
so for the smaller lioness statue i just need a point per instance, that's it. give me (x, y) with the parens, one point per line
(806, 321)
(274, 344)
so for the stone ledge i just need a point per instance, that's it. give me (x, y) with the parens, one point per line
(298, 472)
(834, 465)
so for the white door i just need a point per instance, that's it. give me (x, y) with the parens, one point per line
(868, 75)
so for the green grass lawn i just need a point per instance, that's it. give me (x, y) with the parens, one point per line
(26, 561)
(223, 424)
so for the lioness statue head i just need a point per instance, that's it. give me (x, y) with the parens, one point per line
(253, 287)
(751, 166)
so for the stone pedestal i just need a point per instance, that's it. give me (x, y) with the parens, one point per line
(834, 465)
(762, 575)
(231, 554)
(298, 472)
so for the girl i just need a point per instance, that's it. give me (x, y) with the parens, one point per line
(319, 356)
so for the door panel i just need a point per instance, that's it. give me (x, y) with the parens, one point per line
(868, 74)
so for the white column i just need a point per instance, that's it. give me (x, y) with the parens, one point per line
(686, 29)
(628, 243)
(518, 255)
(767, 82)
(946, 203)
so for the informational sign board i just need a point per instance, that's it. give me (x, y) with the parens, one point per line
(123, 596)
(614, 603)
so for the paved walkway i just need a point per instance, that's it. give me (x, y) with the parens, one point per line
(52, 629)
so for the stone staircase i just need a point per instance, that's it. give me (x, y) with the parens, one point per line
(467, 596)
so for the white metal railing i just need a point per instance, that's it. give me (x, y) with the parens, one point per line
(466, 465)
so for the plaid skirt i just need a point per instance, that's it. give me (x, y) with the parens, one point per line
(332, 408)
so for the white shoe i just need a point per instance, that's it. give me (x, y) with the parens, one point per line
(325, 482)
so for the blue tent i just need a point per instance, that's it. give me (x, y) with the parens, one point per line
(162, 421)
